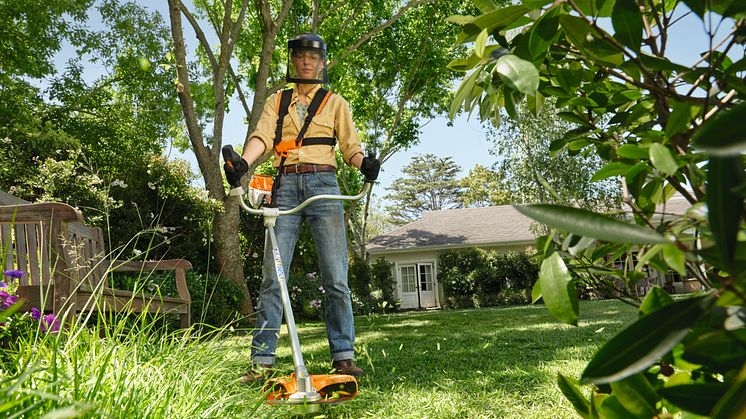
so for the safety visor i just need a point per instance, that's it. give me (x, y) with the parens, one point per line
(306, 65)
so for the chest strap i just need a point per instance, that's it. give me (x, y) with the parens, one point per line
(283, 147)
(315, 107)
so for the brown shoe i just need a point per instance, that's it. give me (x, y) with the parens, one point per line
(258, 373)
(348, 367)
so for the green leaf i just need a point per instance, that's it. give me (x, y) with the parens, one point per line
(581, 34)
(696, 6)
(536, 292)
(569, 388)
(610, 408)
(589, 224)
(611, 169)
(544, 32)
(463, 92)
(460, 20)
(655, 299)
(679, 119)
(696, 398)
(636, 395)
(573, 117)
(662, 159)
(510, 107)
(519, 74)
(631, 151)
(535, 103)
(485, 6)
(558, 289)
(535, 4)
(675, 259)
(480, 43)
(724, 349)
(627, 21)
(641, 344)
(652, 62)
(724, 206)
(492, 21)
(724, 134)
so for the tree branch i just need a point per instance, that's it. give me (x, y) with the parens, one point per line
(200, 36)
(363, 39)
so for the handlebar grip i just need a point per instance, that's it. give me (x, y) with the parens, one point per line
(230, 156)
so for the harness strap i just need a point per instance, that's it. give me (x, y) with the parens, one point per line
(283, 103)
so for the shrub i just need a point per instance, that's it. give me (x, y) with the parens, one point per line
(383, 281)
(486, 278)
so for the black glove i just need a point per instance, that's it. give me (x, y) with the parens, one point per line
(370, 168)
(235, 170)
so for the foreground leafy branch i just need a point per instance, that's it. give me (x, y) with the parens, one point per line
(663, 128)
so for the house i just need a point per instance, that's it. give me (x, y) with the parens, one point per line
(414, 248)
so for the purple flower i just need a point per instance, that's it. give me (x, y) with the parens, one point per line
(3, 284)
(35, 313)
(50, 323)
(7, 300)
(14, 273)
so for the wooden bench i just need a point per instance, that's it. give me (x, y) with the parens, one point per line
(66, 264)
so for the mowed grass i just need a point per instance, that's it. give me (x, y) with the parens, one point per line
(479, 363)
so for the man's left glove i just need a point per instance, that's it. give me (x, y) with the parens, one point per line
(370, 167)
(235, 171)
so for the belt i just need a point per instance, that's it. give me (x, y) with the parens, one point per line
(308, 168)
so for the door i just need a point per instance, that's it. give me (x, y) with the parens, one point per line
(408, 282)
(417, 283)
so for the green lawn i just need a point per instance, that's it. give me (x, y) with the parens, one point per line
(499, 362)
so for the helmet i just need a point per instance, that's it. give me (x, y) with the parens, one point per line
(307, 60)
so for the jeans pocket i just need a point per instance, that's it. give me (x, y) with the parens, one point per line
(327, 178)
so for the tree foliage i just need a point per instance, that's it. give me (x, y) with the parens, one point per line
(430, 184)
(95, 139)
(528, 163)
(483, 187)
(664, 127)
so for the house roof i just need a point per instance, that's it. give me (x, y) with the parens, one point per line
(486, 226)
(466, 227)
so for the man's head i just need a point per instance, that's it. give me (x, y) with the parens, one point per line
(307, 60)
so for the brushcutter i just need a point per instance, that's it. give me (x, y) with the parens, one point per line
(300, 388)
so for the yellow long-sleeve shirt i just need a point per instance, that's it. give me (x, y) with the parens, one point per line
(334, 120)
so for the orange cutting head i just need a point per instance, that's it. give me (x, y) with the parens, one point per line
(333, 388)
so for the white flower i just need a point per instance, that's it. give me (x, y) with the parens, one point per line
(151, 185)
(119, 183)
(137, 252)
(255, 255)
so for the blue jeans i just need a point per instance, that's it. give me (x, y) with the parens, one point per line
(326, 219)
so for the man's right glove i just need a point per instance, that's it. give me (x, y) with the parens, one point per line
(234, 171)
(370, 167)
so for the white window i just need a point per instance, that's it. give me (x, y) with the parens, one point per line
(408, 279)
(426, 277)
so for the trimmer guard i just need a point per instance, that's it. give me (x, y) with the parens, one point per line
(334, 388)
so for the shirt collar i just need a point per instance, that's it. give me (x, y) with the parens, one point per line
(315, 89)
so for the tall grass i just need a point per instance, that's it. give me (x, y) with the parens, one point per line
(479, 363)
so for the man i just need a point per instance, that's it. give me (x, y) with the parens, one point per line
(302, 127)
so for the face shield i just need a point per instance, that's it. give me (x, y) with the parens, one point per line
(307, 60)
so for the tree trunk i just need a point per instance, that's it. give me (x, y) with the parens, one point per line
(228, 250)
(225, 224)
